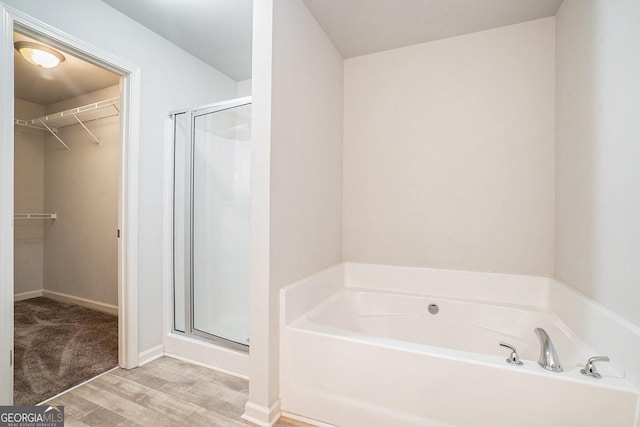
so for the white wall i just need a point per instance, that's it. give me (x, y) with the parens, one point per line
(28, 198)
(171, 79)
(81, 186)
(244, 88)
(448, 153)
(297, 94)
(598, 151)
(306, 146)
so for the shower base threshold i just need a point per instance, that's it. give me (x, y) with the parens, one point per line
(211, 355)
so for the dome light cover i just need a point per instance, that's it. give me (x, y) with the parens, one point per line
(39, 55)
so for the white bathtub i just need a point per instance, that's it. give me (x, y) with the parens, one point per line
(360, 348)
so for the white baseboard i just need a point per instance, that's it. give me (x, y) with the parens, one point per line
(261, 415)
(306, 420)
(27, 295)
(96, 305)
(150, 355)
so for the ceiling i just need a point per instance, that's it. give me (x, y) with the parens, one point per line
(219, 31)
(216, 31)
(360, 27)
(44, 86)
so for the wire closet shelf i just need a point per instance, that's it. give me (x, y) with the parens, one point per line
(74, 116)
(35, 216)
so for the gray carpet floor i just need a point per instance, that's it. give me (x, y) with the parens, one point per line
(59, 345)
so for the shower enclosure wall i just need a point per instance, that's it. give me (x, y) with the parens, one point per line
(211, 222)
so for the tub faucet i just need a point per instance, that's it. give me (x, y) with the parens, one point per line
(548, 357)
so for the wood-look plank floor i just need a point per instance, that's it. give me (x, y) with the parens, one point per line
(165, 392)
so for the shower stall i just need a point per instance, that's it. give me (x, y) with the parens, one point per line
(211, 191)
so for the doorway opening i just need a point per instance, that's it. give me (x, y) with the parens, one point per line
(66, 177)
(52, 164)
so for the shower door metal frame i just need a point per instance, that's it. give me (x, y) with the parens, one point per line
(190, 331)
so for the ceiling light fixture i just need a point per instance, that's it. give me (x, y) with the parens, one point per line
(39, 55)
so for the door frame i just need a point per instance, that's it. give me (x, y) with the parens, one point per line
(128, 185)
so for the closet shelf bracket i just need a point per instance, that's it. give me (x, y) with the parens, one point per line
(86, 128)
(54, 134)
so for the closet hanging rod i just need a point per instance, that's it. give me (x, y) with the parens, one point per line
(35, 216)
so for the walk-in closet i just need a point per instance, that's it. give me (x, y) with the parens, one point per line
(66, 195)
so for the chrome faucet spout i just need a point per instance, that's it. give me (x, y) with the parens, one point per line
(548, 357)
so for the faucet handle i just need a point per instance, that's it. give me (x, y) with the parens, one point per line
(513, 357)
(590, 368)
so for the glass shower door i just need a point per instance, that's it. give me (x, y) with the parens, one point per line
(212, 222)
(220, 240)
